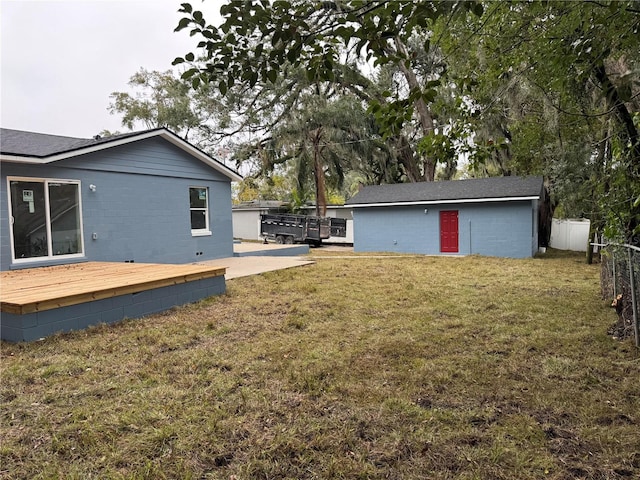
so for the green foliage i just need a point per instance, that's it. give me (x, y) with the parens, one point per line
(554, 82)
(271, 187)
(163, 101)
(322, 139)
(160, 99)
(312, 34)
(299, 199)
(259, 44)
(494, 88)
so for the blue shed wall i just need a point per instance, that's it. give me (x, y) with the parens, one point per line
(140, 209)
(501, 229)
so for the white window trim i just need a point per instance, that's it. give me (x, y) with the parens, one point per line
(50, 257)
(201, 232)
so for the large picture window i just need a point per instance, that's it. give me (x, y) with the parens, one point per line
(199, 209)
(46, 220)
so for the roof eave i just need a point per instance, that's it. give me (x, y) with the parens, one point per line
(440, 202)
(5, 157)
(166, 134)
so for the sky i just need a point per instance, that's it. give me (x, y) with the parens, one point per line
(61, 59)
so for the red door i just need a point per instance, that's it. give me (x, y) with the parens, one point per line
(449, 231)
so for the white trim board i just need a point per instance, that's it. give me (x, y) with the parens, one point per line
(440, 202)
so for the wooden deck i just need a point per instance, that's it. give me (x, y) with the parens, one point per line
(46, 288)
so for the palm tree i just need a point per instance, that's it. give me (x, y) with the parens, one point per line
(325, 138)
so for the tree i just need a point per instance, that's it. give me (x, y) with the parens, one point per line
(558, 83)
(320, 140)
(273, 187)
(164, 100)
(333, 42)
(541, 87)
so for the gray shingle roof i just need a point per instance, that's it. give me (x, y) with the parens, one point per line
(40, 148)
(41, 145)
(454, 190)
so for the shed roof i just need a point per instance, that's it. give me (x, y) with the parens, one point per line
(39, 148)
(453, 191)
(259, 205)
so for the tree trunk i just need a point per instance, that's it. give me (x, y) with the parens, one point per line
(318, 174)
(622, 114)
(630, 135)
(424, 114)
(407, 159)
(405, 154)
(592, 231)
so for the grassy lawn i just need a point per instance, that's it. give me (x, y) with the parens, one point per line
(371, 368)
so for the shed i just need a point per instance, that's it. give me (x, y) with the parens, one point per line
(146, 196)
(496, 216)
(246, 217)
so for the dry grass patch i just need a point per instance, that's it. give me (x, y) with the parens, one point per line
(397, 367)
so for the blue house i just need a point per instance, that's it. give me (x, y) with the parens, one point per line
(98, 230)
(496, 216)
(139, 197)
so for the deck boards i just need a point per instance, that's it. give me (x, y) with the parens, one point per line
(37, 289)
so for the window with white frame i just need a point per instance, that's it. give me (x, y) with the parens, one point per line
(199, 209)
(46, 219)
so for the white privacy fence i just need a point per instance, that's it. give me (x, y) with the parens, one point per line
(570, 234)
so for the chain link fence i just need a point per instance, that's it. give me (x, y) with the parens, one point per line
(619, 281)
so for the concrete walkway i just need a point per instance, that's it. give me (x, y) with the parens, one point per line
(248, 249)
(256, 258)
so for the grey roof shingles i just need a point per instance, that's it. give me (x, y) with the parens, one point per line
(472, 189)
(41, 145)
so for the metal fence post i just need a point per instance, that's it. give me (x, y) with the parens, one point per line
(614, 274)
(633, 297)
(631, 251)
